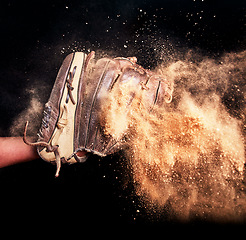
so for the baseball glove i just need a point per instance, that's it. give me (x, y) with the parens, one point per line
(72, 127)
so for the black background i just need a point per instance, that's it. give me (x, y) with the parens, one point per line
(35, 38)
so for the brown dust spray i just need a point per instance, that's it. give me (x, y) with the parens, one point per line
(188, 156)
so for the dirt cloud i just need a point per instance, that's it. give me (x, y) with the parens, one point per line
(188, 156)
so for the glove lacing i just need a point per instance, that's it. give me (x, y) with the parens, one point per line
(49, 148)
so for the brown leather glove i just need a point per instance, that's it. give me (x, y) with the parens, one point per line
(73, 125)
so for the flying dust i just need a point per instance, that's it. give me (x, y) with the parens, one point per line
(31, 113)
(188, 156)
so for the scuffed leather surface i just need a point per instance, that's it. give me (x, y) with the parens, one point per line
(97, 80)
